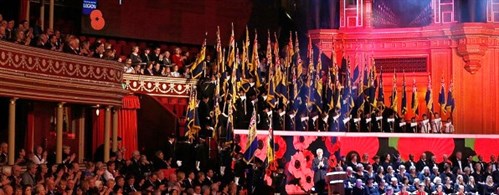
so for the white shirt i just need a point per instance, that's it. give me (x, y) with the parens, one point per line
(38, 160)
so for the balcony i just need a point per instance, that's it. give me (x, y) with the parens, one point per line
(38, 74)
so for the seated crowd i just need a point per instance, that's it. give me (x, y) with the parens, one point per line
(157, 63)
(426, 176)
(172, 170)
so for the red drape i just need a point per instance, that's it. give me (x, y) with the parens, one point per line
(98, 129)
(127, 124)
(30, 133)
(23, 10)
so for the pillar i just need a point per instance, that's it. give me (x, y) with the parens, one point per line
(107, 129)
(51, 14)
(115, 130)
(368, 14)
(81, 136)
(27, 10)
(12, 131)
(42, 14)
(58, 132)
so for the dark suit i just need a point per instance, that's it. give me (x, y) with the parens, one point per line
(421, 164)
(3, 159)
(204, 113)
(320, 173)
(169, 151)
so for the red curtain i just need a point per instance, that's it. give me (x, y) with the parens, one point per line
(98, 129)
(23, 10)
(30, 133)
(127, 124)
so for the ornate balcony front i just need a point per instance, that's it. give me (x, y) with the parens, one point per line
(39, 74)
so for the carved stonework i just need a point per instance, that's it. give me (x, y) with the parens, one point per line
(472, 52)
(159, 86)
(472, 43)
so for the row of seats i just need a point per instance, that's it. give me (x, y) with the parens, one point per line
(124, 47)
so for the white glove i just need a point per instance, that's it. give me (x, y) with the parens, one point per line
(179, 163)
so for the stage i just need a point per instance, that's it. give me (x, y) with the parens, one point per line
(295, 150)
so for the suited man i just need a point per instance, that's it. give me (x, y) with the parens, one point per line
(458, 162)
(364, 124)
(263, 121)
(333, 120)
(278, 119)
(376, 124)
(421, 163)
(189, 182)
(145, 57)
(320, 167)
(204, 112)
(241, 110)
(130, 186)
(169, 150)
(412, 129)
(409, 163)
(155, 55)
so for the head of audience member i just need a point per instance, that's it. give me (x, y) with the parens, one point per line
(11, 25)
(135, 49)
(319, 153)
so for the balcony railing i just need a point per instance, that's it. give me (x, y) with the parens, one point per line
(39, 74)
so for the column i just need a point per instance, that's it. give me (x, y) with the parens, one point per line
(81, 136)
(115, 129)
(51, 14)
(368, 14)
(107, 129)
(58, 132)
(12, 131)
(42, 14)
(27, 9)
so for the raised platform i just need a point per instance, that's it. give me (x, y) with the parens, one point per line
(295, 150)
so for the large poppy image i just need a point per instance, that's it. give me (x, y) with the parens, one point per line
(437, 146)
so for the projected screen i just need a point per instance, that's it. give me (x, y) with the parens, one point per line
(165, 20)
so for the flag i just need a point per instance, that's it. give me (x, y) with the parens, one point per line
(290, 50)
(356, 73)
(252, 143)
(245, 54)
(270, 149)
(318, 89)
(220, 63)
(381, 94)
(193, 125)
(371, 87)
(394, 98)
(277, 59)
(404, 98)
(450, 98)
(428, 96)
(197, 68)
(365, 80)
(229, 129)
(441, 96)
(269, 52)
(299, 62)
(255, 61)
(232, 49)
(415, 104)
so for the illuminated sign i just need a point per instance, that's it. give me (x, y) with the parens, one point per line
(89, 6)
